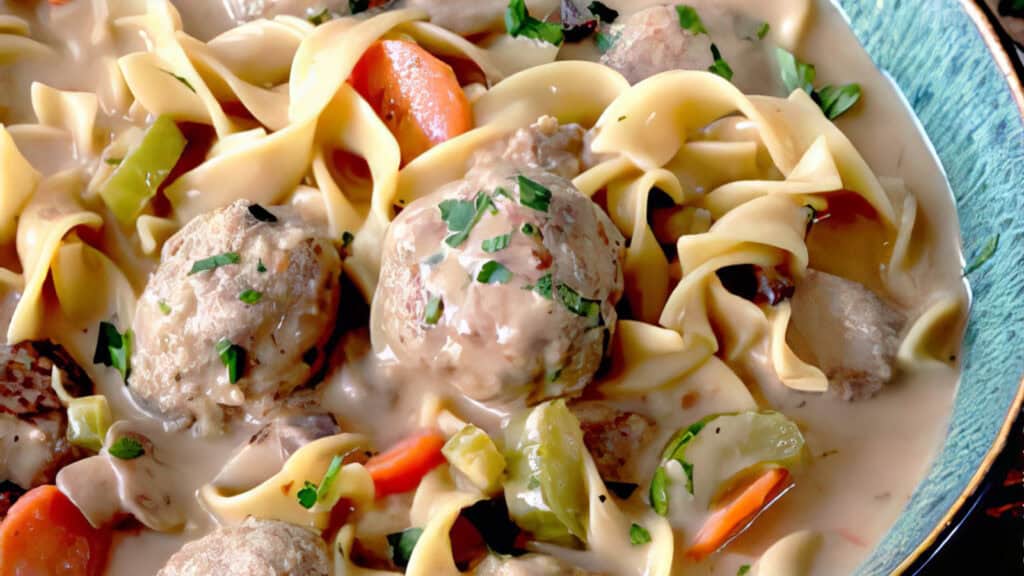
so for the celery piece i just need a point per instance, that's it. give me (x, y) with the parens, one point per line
(473, 453)
(546, 488)
(88, 420)
(142, 171)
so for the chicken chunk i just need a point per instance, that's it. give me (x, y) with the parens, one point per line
(612, 436)
(33, 423)
(236, 316)
(652, 41)
(851, 334)
(254, 548)
(504, 283)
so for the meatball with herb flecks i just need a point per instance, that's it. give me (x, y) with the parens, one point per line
(236, 316)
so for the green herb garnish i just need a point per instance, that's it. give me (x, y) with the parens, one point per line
(763, 30)
(402, 544)
(518, 22)
(985, 254)
(250, 296)
(533, 195)
(795, 74)
(214, 262)
(604, 41)
(164, 307)
(462, 215)
(434, 311)
(638, 535)
(497, 243)
(689, 20)
(307, 495)
(233, 357)
(543, 286)
(262, 214)
(320, 17)
(113, 161)
(260, 267)
(835, 100)
(329, 477)
(493, 272)
(720, 66)
(181, 79)
(126, 448)
(603, 12)
(113, 349)
(659, 491)
(579, 305)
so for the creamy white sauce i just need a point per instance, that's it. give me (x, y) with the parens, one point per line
(866, 456)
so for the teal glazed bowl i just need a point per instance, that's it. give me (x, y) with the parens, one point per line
(956, 73)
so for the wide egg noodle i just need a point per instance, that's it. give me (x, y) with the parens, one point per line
(18, 181)
(74, 112)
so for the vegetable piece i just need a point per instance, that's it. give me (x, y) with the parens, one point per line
(795, 74)
(638, 535)
(250, 296)
(496, 244)
(318, 18)
(493, 272)
(307, 495)
(743, 570)
(126, 448)
(518, 22)
(214, 262)
(719, 66)
(44, 533)
(472, 452)
(689, 20)
(734, 515)
(88, 420)
(546, 486)
(434, 311)
(401, 468)
(113, 349)
(138, 177)
(402, 544)
(763, 30)
(533, 195)
(740, 446)
(984, 255)
(233, 357)
(544, 286)
(462, 215)
(836, 100)
(414, 93)
(578, 305)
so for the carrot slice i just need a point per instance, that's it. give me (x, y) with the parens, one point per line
(416, 95)
(44, 533)
(725, 521)
(401, 468)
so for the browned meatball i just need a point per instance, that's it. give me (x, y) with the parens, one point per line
(652, 41)
(613, 437)
(33, 423)
(244, 286)
(517, 306)
(254, 548)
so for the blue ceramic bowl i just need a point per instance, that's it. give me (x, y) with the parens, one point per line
(955, 72)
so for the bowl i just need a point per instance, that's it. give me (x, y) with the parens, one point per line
(956, 70)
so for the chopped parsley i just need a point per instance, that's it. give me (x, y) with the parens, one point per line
(528, 229)
(260, 267)
(402, 544)
(113, 161)
(250, 296)
(493, 272)
(518, 22)
(500, 191)
(329, 477)
(720, 66)
(763, 30)
(214, 262)
(233, 357)
(638, 535)
(319, 17)
(689, 20)
(543, 286)
(434, 311)
(533, 195)
(579, 305)
(497, 243)
(181, 79)
(659, 491)
(164, 307)
(357, 6)
(262, 214)
(984, 255)
(462, 215)
(126, 448)
(834, 101)
(307, 495)
(744, 570)
(113, 349)
(603, 12)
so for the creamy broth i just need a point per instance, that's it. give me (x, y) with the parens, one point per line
(864, 458)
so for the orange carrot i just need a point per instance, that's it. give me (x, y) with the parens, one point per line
(414, 93)
(401, 468)
(44, 533)
(725, 521)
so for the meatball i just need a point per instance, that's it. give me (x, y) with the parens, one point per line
(254, 548)
(613, 437)
(33, 423)
(652, 41)
(236, 316)
(851, 334)
(503, 284)
(546, 145)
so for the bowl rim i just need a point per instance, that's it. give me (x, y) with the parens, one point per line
(1003, 52)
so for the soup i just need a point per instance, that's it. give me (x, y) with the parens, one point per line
(436, 287)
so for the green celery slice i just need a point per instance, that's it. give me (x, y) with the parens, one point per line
(140, 174)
